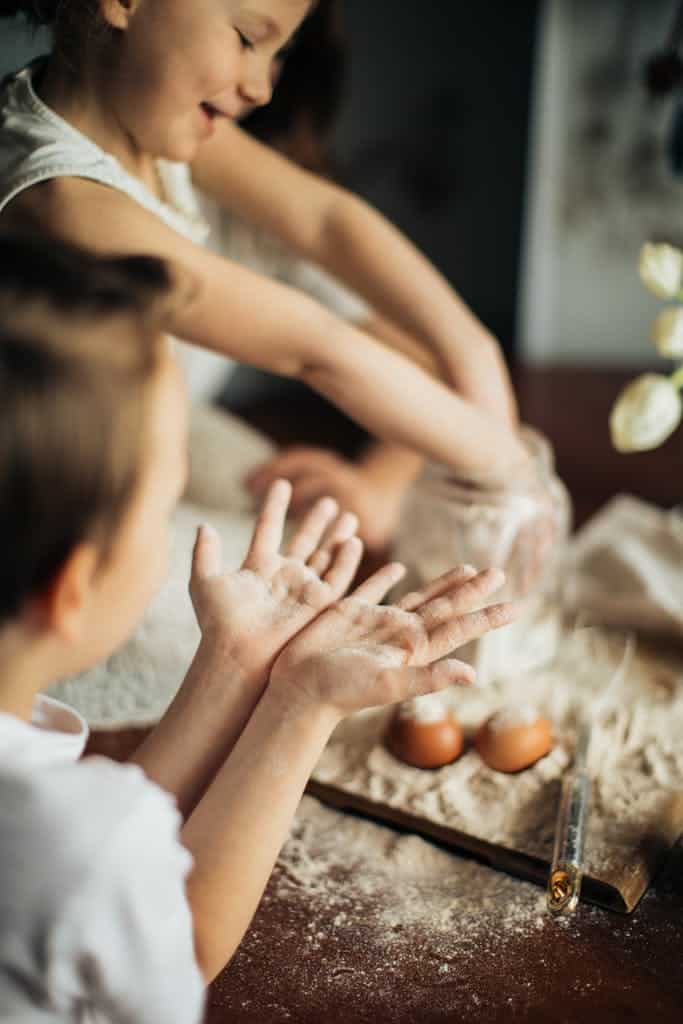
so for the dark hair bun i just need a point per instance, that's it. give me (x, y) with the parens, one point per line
(37, 12)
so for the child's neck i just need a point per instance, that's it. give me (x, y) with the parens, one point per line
(82, 104)
(26, 667)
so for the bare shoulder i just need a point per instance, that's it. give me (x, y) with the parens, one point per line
(90, 214)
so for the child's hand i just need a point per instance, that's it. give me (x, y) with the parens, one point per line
(314, 472)
(358, 655)
(251, 614)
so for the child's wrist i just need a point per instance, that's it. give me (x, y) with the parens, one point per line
(219, 649)
(293, 704)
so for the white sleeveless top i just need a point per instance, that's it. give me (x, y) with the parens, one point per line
(37, 145)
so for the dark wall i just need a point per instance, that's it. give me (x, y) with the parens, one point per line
(434, 132)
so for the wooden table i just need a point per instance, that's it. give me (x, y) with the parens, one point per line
(602, 967)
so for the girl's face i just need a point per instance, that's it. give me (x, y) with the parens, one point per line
(182, 66)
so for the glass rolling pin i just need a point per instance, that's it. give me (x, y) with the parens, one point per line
(566, 870)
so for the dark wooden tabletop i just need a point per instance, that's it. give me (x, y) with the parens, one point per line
(598, 967)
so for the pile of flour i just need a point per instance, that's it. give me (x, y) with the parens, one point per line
(637, 757)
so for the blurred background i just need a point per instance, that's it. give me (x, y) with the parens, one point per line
(519, 147)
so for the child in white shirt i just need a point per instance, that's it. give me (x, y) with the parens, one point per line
(124, 889)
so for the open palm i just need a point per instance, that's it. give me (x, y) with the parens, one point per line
(358, 654)
(259, 608)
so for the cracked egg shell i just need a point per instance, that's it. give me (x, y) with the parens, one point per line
(514, 738)
(430, 744)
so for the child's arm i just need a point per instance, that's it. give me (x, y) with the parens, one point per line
(336, 229)
(246, 618)
(373, 486)
(354, 656)
(269, 325)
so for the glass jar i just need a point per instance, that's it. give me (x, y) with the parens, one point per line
(522, 529)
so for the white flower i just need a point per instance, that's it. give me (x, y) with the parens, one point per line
(667, 333)
(647, 411)
(661, 269)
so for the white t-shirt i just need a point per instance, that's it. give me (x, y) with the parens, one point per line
(94, 921)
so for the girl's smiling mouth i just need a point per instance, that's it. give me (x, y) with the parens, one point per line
(211, 111)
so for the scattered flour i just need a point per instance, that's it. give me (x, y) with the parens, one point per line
(637, 757)
(513, 716)
(362, 924)
(430, 708)
(332, 856)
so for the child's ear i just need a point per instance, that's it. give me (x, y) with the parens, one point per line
(63, 606)
(117, 13)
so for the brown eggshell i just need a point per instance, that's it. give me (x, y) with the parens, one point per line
(425, 744)
(513, 747)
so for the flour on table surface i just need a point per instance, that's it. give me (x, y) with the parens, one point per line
(333, 857)
(636, 753)
(375, 925)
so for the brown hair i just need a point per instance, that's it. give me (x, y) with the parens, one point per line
(80, 341)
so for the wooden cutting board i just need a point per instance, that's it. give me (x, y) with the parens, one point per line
(636, 813)
(621, 891)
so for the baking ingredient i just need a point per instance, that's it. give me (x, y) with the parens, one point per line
(361, 923)
(636, 758)
(514, 738)
(425, 733)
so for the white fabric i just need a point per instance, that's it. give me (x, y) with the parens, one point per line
(625, 568)
(94, 922)
(57, 733)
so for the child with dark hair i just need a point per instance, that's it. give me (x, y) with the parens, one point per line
(125, 888)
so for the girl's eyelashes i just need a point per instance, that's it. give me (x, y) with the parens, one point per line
(245, 43)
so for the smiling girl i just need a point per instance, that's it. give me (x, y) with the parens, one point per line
(106, 140)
